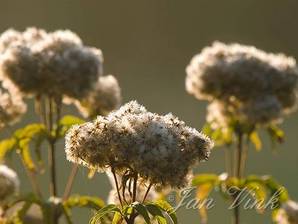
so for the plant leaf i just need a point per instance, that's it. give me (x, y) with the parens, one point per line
(117, 219)
(66, 123)
(84, 201)
(165, 206)
(141, 209)
(255, 139)
(156, 212)
(103, 212)
(203, 191)
(6, 146)
(205, 178)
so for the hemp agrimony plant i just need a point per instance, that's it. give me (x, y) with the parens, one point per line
(248, 90)
(141, 151)
(53, 69)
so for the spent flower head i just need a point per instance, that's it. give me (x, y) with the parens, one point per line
(104, 98)
(9, 183)
(288, 214)
(160, 149)
(252, 85)
(56, 64)
(12, 106)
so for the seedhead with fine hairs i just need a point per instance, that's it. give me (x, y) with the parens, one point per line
(105, 97)
(12, 106)
(159, 149)
(252, 85)
(288, 214)
(56, 64)
(9, 183)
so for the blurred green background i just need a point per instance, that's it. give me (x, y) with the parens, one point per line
(147, 45)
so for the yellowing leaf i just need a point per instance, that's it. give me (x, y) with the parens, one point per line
(203, 192)
(6, 146)
(255, 139)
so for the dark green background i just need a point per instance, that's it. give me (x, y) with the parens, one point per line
(147, 45)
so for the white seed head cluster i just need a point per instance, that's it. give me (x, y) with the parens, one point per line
(9, 183)
(12, 106)
(258, 86)
(57, 64)
(104, 98)
(161, 149)
(288, 214)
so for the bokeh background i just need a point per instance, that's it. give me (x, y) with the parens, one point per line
(147, 45)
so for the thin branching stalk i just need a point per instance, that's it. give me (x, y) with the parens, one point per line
(117, 187)
(244, 156)
(51, 152)
(147, 192)
(32, 178)
(70, 181)
(238, 175)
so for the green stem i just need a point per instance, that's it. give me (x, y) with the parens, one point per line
(117, 186)
(238, 175)
(51, 152)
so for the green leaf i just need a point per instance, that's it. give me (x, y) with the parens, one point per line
(205, 178)
(103, 212)
(84, 201)
(255, 139)
(18, 217)
(203, 192)
(66, 123)
(165, 206)
(67, 214)
(32, 133)
(156, 212)
(277, 134)
(6, 146)
(141, 209)
(258, 191)
(117, 219)
(26, 154)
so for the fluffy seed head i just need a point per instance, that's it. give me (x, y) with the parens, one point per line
(161, 149)
(105, 97)
(288, 214)
(55, 64)
(9, 183)
(12, 106)
(258, 86)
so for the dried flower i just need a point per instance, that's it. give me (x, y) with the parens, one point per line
(160, 149)
(256, 86)
(288, 214)
(105, 97)
(9, 183)
(55, 64)
(12, 106)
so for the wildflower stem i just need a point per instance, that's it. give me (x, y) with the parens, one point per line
(117, 186)
(238, 175)
(135, 183)
(51, 152)
(33, 181)
(147, 192)
(70, 181)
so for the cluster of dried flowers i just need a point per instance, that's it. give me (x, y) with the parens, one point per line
(105, 97)
(58, 65)
(160, 149)
(9, 183)
(243, 83)
(55, 64)
(288, 214)
(12, 106)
